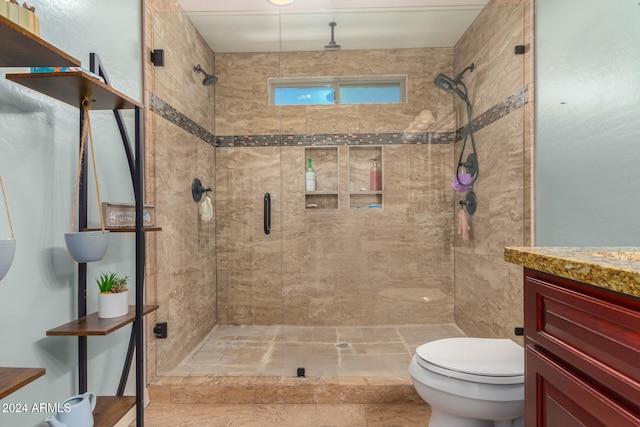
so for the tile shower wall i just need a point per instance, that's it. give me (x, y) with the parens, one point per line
(488, 292)
(180, 131)
(338, 267)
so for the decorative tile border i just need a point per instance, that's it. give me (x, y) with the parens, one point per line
(512, 103)
(166, 111)
(335, 139)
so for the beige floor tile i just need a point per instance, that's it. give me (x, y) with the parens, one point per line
(254, 415)
(287, 415)
(319, 360)
(379, 365)
(415, 335)
(414, 415)
(375, 348)
(366, 351)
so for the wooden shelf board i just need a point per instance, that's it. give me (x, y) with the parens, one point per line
(13, 379)
(110, 409)
(93, 325)
(72, 87)
(124, 230)
(21, 48)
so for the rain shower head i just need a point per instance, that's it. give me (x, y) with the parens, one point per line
(332, 43)
(209, 79)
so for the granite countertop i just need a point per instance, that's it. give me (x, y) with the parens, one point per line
(613, 268)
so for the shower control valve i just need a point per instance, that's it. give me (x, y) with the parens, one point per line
(160, 330)
(471, 165)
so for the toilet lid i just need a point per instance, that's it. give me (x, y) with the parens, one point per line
(486, 357)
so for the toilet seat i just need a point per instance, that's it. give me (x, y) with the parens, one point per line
(482, 360)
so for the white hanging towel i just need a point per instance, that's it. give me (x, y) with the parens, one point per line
(206, 209)
(463, 225)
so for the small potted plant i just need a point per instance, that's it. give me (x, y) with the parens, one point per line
(113, 300)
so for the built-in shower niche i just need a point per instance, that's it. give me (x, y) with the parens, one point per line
(325, 166)
(361, 193)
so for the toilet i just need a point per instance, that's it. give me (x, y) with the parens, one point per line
(471, 382)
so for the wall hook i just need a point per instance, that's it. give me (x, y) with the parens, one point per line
(470, 202)
(197, 189)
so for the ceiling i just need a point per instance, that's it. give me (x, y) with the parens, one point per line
(257, 26)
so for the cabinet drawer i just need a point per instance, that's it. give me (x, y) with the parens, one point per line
(598, 337)
(564, 399)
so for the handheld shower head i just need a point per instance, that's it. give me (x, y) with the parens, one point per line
(445, 83)
(451, 85)
(209, 79)
(455, 85)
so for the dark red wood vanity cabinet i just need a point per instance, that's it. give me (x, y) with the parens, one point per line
(582, 354)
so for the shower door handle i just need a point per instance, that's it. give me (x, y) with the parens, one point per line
(267, 213)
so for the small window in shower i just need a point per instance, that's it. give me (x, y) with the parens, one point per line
(303, 95)
(338, 90)
(370, 93)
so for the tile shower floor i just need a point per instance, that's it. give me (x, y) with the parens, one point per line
(344, 351)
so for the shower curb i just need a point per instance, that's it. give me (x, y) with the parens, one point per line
(282, 390)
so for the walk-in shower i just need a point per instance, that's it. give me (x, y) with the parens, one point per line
(341, 292)
(457, 86)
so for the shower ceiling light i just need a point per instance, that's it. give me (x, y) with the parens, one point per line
(281, 2)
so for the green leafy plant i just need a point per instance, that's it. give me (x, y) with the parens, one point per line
(111, 283)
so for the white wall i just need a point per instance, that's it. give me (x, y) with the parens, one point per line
(38, 155)
(587, 128)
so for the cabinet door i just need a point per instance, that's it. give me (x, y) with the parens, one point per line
(557, 397)
(591, 332)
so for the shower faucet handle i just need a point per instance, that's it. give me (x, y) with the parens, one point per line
(197, 189)
(470, 202)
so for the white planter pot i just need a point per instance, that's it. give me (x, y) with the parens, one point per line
(7, 251)
(113, 305)
(87, 246)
